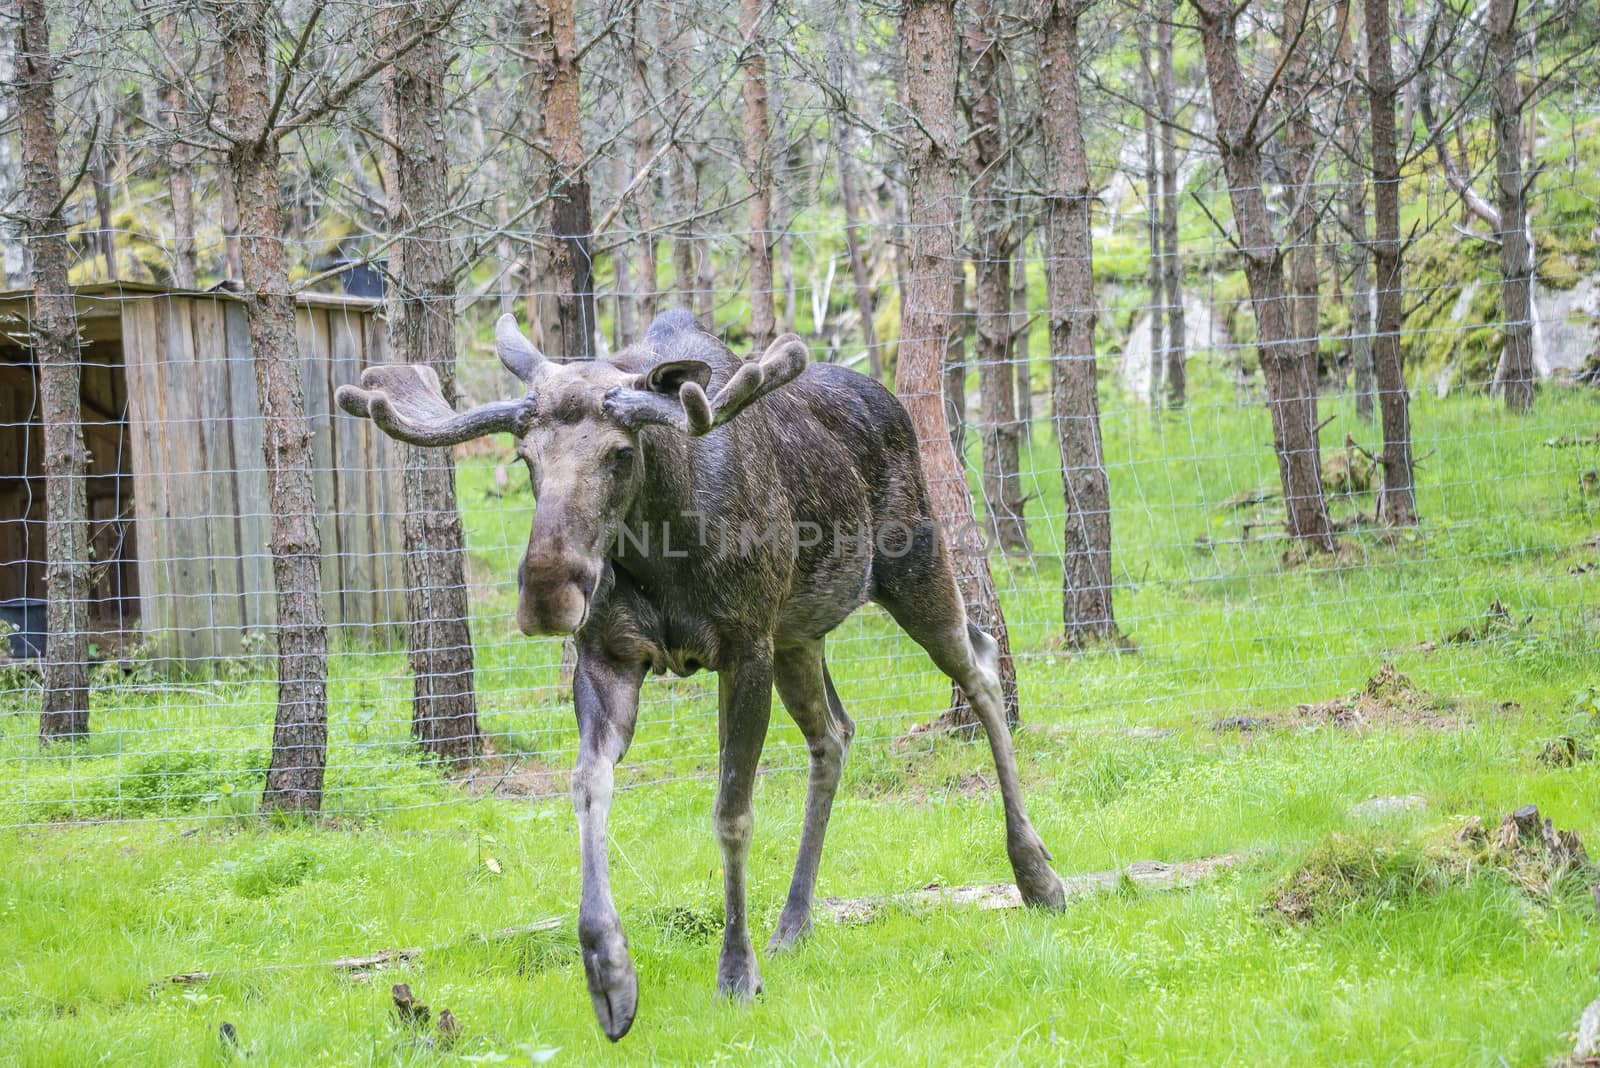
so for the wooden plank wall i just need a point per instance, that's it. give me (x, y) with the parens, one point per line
(258, 609)
(362, 484)
(21, 494)
(108, 488)
(386, 489)
(145, 439)
(200, 483)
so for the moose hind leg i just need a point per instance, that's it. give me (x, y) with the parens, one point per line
(745, 699)
(971, 658)
(934, 618)
(801, 676)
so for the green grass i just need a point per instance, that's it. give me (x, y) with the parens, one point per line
(93, 916)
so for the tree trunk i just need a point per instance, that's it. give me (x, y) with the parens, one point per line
(1290, 380)
(689, 249)
(1360, 334)
(1301, 33)
(928, 37)
(955, 367)
(1154, 231)
(14, 270)
(682, 194)
(842, 70)
(642, 49)
(228, 201)
(55, 351)
(1022, 337)
(1171, 264)
(300, 730)
(705, 279)
(865, 301)
(783, 209)
(180, 185)
(1354, 210)
(689, 254)
(685, 253)
(1515, 374)
(1457, 181)
(488, 113)
(1086, 608)
(625, 321)
(1002, 482)
(100, 182)
(228, 206)
(1402, 26)
(900, 202)
(444, 717)
(758, 169)
(564, 267)
(1396, 500)
(1355, 221)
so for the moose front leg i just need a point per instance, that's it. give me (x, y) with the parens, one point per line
(607, 700)
(745, 699)
(801, 676)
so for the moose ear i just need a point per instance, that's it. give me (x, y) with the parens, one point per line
(516, 352)
(651, 400)
(670, 376)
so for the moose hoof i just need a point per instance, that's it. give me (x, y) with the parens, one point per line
(1037, 882)
(613, 986)
(737, 975)
(1042, 889)
(792, 927)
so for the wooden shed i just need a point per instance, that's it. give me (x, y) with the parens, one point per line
(177, 481)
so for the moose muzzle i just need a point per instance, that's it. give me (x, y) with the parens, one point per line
(553, 595)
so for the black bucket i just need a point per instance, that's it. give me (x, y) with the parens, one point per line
(27, 615)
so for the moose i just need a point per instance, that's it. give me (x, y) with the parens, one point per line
(695, 510)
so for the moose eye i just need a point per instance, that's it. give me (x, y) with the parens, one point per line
(622, 456)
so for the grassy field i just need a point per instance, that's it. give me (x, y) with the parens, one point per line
(134, 857)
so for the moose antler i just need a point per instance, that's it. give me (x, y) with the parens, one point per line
(407, 402)
(691, 411)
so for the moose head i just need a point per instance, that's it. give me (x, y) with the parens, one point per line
(578, 428)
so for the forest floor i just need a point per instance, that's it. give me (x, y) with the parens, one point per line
(1338, 740)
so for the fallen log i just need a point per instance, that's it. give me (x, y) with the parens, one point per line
(1147, 874)
(1586, 1046)
(363, 965)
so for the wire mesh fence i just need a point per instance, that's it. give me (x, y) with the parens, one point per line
(1221, 615)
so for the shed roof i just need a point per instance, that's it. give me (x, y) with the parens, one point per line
(103, 297)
